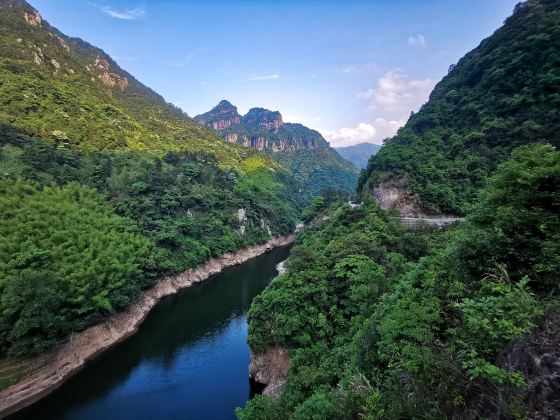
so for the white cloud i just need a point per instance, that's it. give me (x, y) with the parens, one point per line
(417, 40)
(128, 14)
(356, 69)
(376, 132)
(395, 92)
(264, 77)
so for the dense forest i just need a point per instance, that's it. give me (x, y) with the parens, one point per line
(503, 94)
(92, 229)
(383, 322)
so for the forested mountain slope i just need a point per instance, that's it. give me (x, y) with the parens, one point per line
(67, 91)
(301, 150)
(503, 94)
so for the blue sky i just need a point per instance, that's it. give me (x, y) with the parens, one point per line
(353, 70)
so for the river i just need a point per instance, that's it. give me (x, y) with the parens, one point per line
(188, 360)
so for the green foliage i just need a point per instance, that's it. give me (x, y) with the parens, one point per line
(304, 152)
(387, 323)
(358, 154)
(503, 94)
(66, 261)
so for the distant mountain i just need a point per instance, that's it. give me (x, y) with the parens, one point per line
(65, 90)
(358, 154)
(303, 151)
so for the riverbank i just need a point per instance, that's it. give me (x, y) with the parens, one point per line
(66, 360)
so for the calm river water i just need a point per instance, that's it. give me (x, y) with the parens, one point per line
(188, 360)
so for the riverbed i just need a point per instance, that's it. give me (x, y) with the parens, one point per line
(188, 360)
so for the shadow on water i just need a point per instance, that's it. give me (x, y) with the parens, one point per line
(189, 358)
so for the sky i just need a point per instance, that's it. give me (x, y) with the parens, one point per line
(353, 70)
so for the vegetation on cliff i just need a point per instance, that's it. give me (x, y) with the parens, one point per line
(503, 94)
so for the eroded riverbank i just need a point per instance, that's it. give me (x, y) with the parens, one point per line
(71, 357)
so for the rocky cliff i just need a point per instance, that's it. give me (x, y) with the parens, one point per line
(270, 369)
(260, 129)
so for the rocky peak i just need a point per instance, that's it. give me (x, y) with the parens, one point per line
(270, 120)
(222, 116)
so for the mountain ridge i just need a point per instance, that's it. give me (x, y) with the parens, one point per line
(67, 91)
(358, 154)
(302, 150)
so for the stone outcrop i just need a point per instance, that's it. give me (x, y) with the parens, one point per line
(108, 78)
(260, 129)
(391, 195)
(222, 116)
(270, 369)
(63, 362)
(536, 356)
(33, 18)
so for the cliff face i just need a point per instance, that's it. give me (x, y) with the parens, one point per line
(270, 369)
(260, 129)
(222, 116)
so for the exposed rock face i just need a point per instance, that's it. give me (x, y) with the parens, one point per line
(391, 195)
(537, 357)
(270, 369)
(260, 129)
(269, 120)
(220, 117)
(60, 41)
(33, 18)
(108, 78)
(64, 361)
(258, 143)
(232, 137)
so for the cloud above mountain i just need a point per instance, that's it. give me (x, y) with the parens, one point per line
(396, 92)
(374, 132)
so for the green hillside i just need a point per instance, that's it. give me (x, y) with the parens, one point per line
(503, 94)
(358, 154)
(67, 91)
